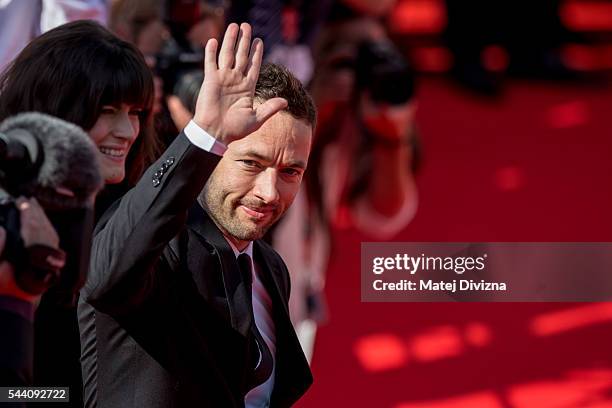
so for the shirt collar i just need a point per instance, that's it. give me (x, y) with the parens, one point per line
(248, 250)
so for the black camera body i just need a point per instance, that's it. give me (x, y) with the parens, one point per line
(174, 60)
(384, 72)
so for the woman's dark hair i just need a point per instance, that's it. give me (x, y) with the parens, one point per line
(74, 70)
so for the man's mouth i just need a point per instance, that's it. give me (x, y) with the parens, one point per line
(257, 212)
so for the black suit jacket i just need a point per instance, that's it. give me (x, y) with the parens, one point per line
(162, 315)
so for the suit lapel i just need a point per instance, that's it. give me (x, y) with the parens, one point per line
(235, 289)
(270, 279)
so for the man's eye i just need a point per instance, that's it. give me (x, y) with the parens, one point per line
(291, 172)
(109, 110)
(136, 112)
(250, 163)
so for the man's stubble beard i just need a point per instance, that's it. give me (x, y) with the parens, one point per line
(212, 199)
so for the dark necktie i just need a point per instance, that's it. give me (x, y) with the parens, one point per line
(263, 369)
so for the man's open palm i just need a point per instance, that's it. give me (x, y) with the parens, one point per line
(225, 104)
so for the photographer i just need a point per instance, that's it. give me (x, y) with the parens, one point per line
(363, 160)
(16, 304)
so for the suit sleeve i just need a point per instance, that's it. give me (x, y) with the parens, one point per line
(128, 245)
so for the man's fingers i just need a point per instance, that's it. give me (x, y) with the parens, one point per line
(226, 55)
(210, 57)
(244, 45)
(264, 111)
(255, 58)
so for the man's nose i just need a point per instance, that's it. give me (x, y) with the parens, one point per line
(265, 186)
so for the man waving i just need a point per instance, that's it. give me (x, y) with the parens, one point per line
(184, 305)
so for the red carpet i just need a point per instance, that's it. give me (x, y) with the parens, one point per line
(534, 166)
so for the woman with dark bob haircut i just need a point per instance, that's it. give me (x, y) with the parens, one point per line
(82, 73)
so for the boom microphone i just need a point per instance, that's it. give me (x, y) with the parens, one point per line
(50, 159)
(57, 163)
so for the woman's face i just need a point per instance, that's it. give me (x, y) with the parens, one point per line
(114, 133)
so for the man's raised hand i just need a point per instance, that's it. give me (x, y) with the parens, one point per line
(225, 107)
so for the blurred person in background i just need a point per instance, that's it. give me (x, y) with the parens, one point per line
(363, 160)
(290, 28)
(171, 34)
(140, 22)
(82, 73)
(23, 20)
(182, 101)
(191, 24)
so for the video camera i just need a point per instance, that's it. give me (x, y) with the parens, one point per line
(55, 162)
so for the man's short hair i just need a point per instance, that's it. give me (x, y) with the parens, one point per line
(276, 81)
